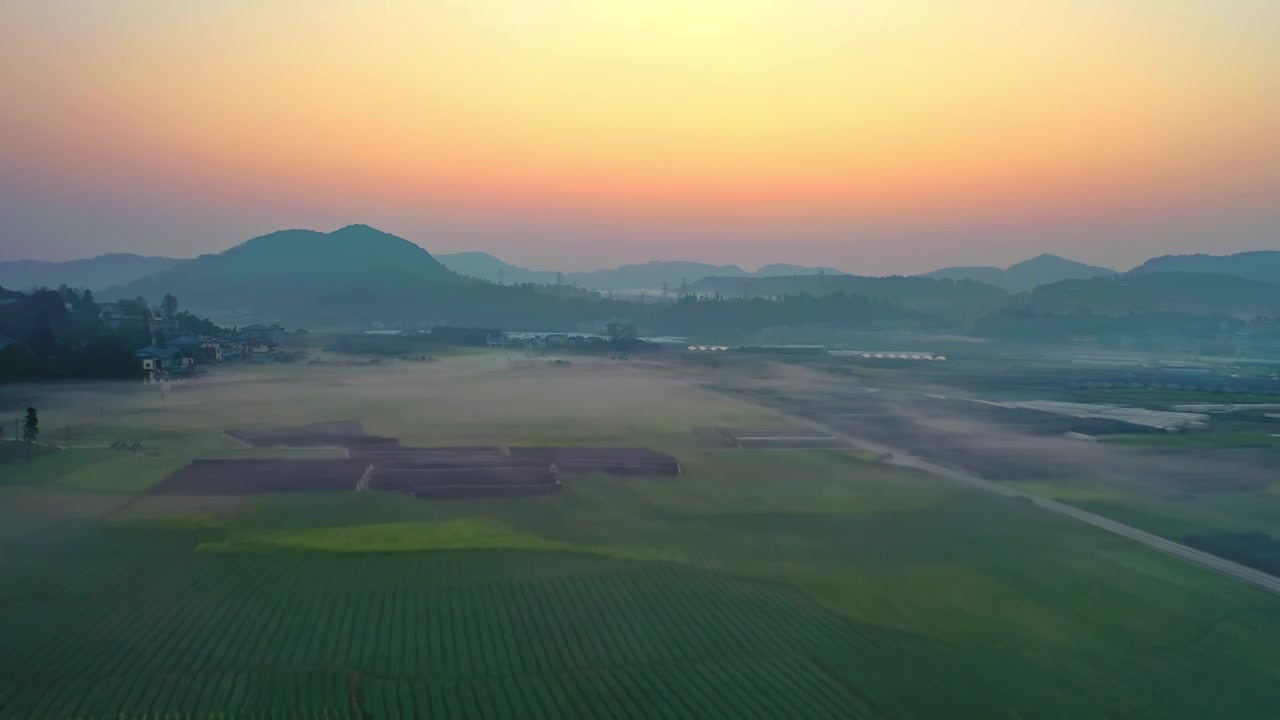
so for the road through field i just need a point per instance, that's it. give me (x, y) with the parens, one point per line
(1240, 572)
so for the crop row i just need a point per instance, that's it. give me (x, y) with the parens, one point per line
(170, 632)
(163, 696)
(783, 687)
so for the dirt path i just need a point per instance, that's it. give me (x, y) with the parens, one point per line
(899, 457)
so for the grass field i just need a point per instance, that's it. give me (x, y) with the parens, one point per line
(1193, 440)
(758, 584)
(1165, 399)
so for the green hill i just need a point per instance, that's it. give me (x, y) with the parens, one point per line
(93, 273)
(1261, 265)
(650, 275)
(1199, 293)
(1026, 275)
(943, 298)
(351, 277)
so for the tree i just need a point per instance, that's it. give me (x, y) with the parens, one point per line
(30, 428)
(42, 339)
(169, 305)
(621, 335)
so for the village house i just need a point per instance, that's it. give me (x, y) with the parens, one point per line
(264, 350)
(156, 362)
(209, 350)
(258, 332)
(233, 349)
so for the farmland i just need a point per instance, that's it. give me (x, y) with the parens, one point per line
(767, 583)
(1205, 485)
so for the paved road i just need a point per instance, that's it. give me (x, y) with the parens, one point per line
(1240, 572)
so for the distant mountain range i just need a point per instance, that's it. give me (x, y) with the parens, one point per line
(1261, 265)
(1197, 293)
(106, 271)
(1026, 275)
(279, 273)
(645, 276)
(359, 275)
(95, 273)
(945, 298)
(351, 277)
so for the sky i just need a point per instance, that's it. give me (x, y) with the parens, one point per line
(877, 136)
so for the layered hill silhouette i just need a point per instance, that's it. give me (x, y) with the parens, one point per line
(943, 297)
(353, 276)
(357, 276)
(642, 276)
(1021, 277)
(1185, 292)
(96, 273)
(1260, 265)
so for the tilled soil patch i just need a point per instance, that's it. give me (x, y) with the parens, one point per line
(627, 461)
(409, 479)
(440, 457)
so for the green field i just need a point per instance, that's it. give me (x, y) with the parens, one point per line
(1165, 399)
(1193, 440)
(758, 584)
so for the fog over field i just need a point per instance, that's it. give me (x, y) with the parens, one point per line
(835, 560)
(662, 360)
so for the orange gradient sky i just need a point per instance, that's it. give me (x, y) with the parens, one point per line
(875, 136)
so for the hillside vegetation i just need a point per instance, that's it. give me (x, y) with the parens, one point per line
(94, 274)
(353, 276)
(1026, 275)
(1261, 265)
(1201, 293)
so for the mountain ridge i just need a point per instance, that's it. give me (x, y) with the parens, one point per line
(1043, 269)
(1196, 293)
(648, 275)
(94, 273)
(1253, 265)
(289, 258)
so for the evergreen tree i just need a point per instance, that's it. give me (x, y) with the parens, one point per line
(30, 428)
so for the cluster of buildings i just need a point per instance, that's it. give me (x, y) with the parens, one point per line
(181, 355)
(535, 340)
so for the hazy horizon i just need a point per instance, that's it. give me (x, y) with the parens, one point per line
(574, 135)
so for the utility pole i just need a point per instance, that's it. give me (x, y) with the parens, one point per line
(664, 291)
(500, 276)
(684, 288)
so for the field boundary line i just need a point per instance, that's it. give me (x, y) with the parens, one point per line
(237, 440)
(845, 688)
(1222, 566)
(362, 485)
